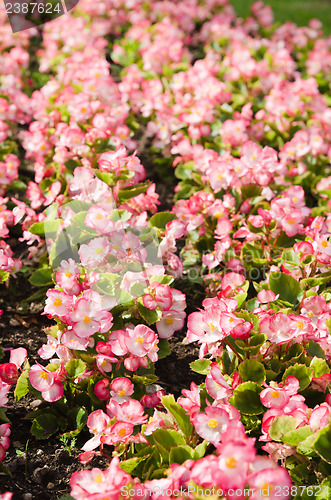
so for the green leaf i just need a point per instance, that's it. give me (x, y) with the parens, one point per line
(75, 368)
(22, 384)
(62, 249)
(44, 426)
(301, 372)
(322, 445)
(319, 367)
(108, 283)
(127, 193)
(180, 416)
(180, 453)
(42, 277)
(161, 219)
(250, 191)
(287, 287)
(324, 490)
(168, 438)
(164, 349)
(131, 463)
(293, 438)
(148, 315)
(201, 366)
(246, 398)
(106, 177)
(253, 370)
(184, 170)
(145, 379)
(3, 416)
(48, 227)
(282, 425)
(290, 257)
(306, 446)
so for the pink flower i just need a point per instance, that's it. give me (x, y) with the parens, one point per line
(121, 389)
(269, 482)
(97, 422)
(130, 411)
(95, 484)
(95, 252)
(58, 303)
(140, 341)
(48, 383)
(211, 424)
(101, 389)
(4, 440)
(88, 316)
(319, 417)
(233, 463)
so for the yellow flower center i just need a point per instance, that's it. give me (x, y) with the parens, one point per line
(266, 489)
(57, 302)
(43, 375)
(231, 462)
(211, 326)
(67, 274)
(140, 340)
(122, 432)
(122, 392)
(86, 319)
(299, 324)
(98, 216)
(324, 243)
(212, 423)
(274, 394)
(99, 251)
(220, 177)
(170, 321)
(98, 478)
(291, 221)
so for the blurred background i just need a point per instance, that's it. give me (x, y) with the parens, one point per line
(297, 11)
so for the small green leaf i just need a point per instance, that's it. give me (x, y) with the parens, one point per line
(306, 447)
(164, 349)
(42, 277)
(145, 379)
(168, 438)
(49, 228)
(127, 193)
(106, 177)
(301, 372)
(161, 219)
(131, 463)
(253, 370)
(201, 366)
(148, 315)
(282, 425)
(319, 367)
(75, 368)
(246, 398)
(287, 287)
(44, 426)
(322, 445)
(182, 419)
(314, 349)
(293, 438)
(180, 453)
(22, 384)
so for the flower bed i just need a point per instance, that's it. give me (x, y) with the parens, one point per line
(112, 104)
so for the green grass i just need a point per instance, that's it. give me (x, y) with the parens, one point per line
(297, 11)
